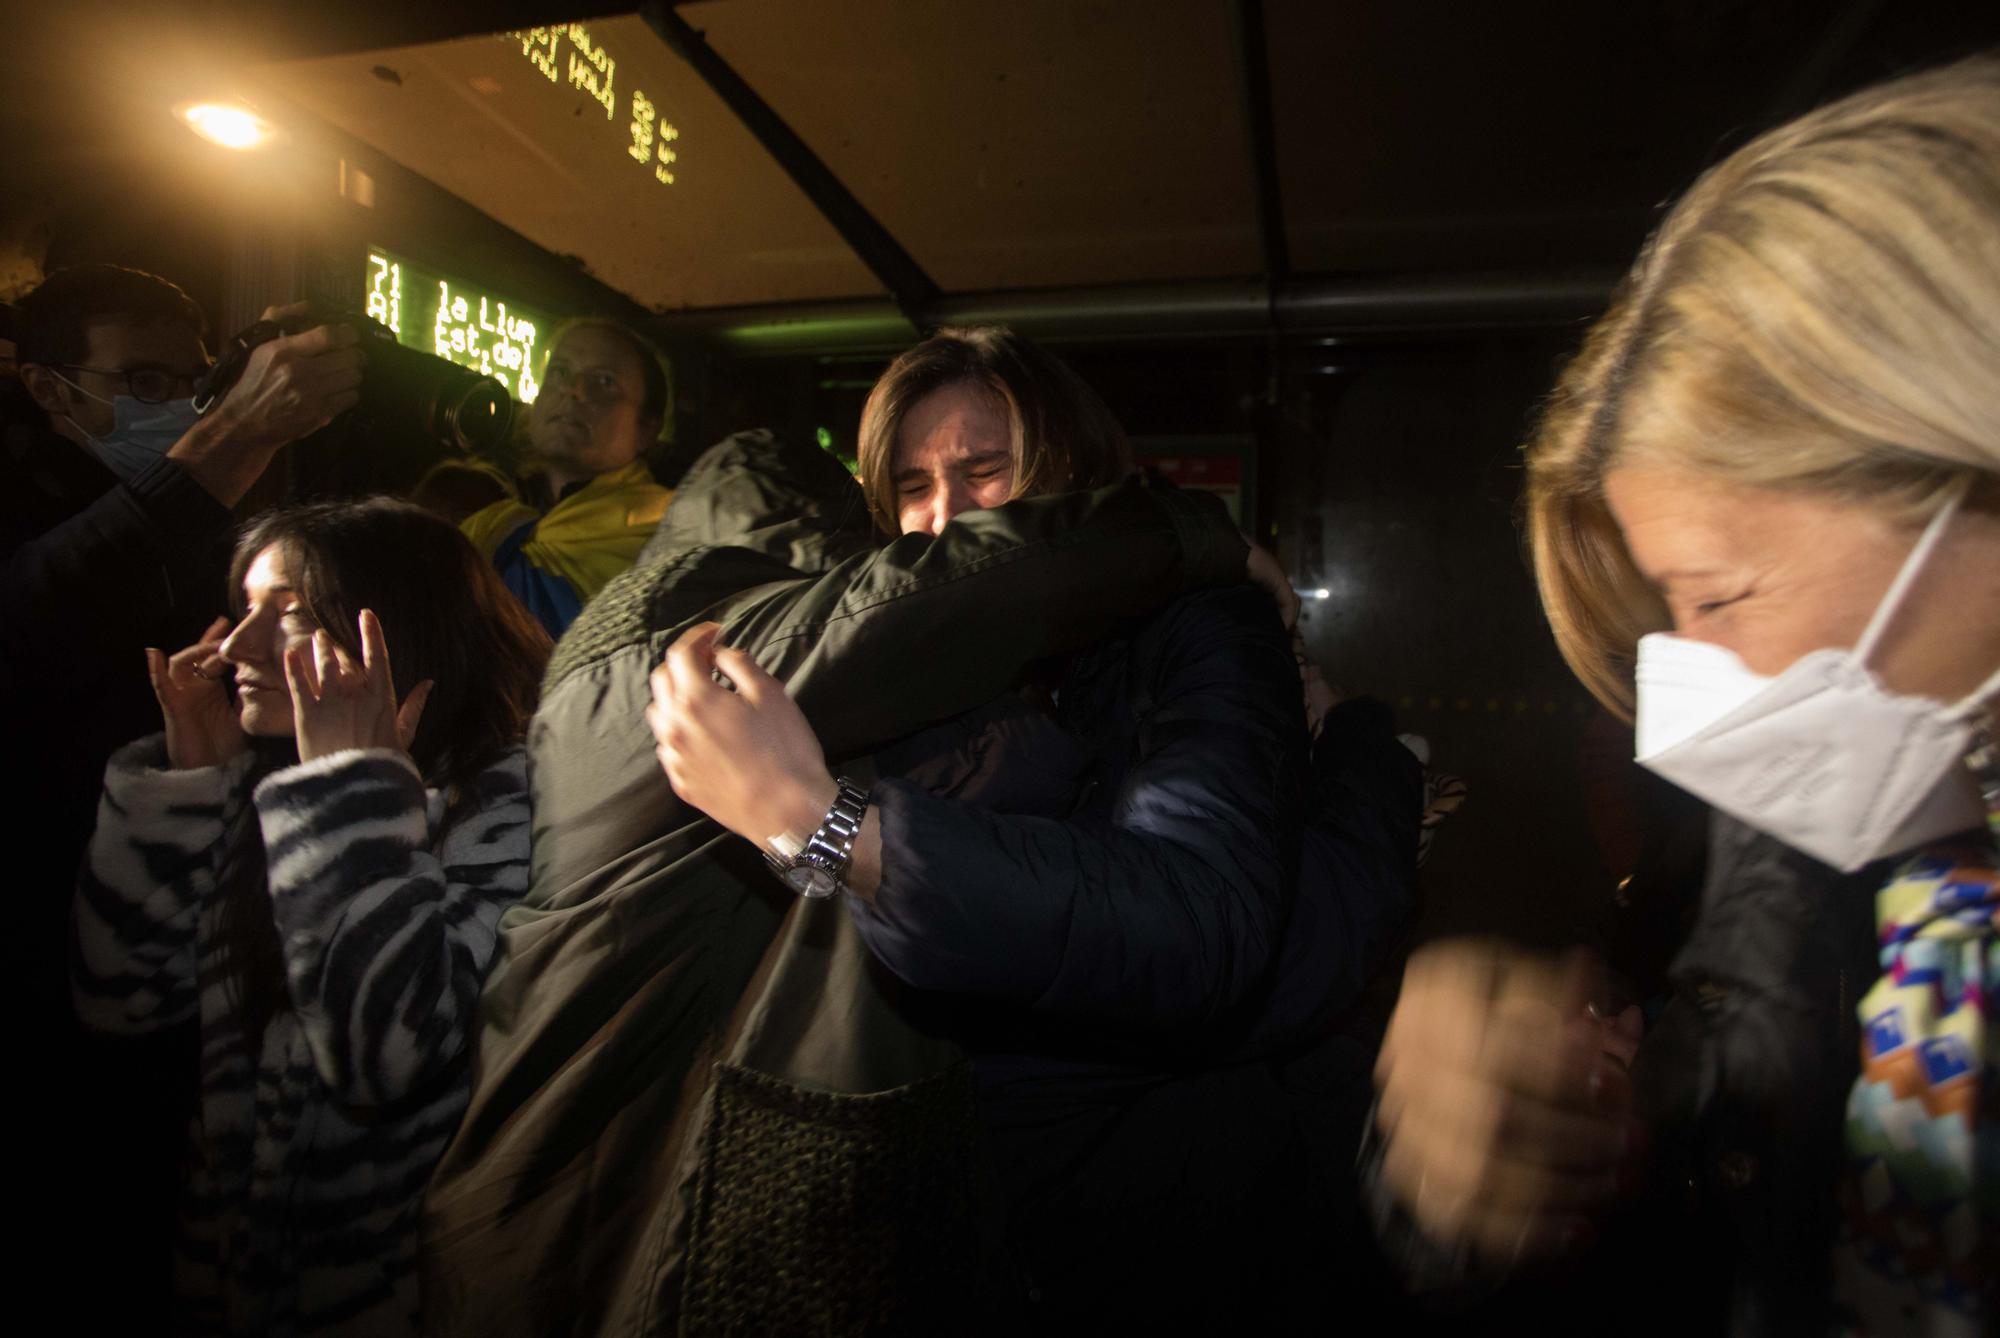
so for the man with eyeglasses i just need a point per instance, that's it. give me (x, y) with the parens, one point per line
(114, 536)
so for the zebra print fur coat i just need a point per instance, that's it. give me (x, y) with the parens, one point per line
(307, 1166)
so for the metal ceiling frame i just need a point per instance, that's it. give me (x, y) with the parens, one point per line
(1253, 72)
(1281, 305)
(1273, 306)
(1371, 307)
(913, 291)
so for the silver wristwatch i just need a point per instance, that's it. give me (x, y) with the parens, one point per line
(820, 867)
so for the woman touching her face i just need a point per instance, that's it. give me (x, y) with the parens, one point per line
(313, 869)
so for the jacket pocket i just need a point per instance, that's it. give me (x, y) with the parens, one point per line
(835, 1213)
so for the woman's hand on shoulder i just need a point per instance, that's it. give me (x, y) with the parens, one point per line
(204, 728)
(743, 753)
(1504, 1099)
(338, 704)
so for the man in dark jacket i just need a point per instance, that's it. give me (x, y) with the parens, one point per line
(114, 538)
(1134, 972)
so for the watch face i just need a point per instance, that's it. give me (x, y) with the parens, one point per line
(811, 881)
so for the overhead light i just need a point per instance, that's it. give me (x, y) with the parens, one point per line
(228, 124)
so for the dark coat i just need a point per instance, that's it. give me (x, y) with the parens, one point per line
(1742, 1079)
(92, 571)
(1143, 983)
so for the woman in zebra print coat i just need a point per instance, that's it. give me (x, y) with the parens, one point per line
(314, 867)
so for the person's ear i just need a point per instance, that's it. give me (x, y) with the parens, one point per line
(45, 388)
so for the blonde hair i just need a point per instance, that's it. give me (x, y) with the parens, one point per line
(1821, 311)
(1064, 438)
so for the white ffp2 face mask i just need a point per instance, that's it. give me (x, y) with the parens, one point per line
(1823, 757)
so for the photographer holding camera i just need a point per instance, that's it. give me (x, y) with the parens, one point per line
(115, 538)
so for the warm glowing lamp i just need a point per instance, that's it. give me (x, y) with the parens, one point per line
(223, 123)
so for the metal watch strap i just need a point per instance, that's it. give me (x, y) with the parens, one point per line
(833, 843)
(831, 847)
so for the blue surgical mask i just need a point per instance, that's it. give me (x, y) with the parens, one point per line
(140, 432)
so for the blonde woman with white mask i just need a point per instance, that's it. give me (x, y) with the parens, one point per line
(1764, 508)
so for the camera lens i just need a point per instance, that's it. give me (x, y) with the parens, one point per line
(479, 417)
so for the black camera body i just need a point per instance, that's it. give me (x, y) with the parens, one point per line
(402, 390)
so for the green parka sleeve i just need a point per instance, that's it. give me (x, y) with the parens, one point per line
(926, 628)
(878, 645)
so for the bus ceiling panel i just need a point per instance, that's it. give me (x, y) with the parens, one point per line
(237, 31)
(1022, 145)
(594, 141)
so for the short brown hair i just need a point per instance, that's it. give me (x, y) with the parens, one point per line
(56, 317)
(1064, 437)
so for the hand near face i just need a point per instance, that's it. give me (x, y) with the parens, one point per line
(201, 718)
(747, 757)
(1261, 568)
(337, 704)
(1320, 695)
(1504, 1100)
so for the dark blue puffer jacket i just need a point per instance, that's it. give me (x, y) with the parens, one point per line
(1137, 981)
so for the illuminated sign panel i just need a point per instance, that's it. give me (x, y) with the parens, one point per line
(567, 54)
(458, 321)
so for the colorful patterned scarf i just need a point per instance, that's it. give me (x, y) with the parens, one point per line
(1921, 1193)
